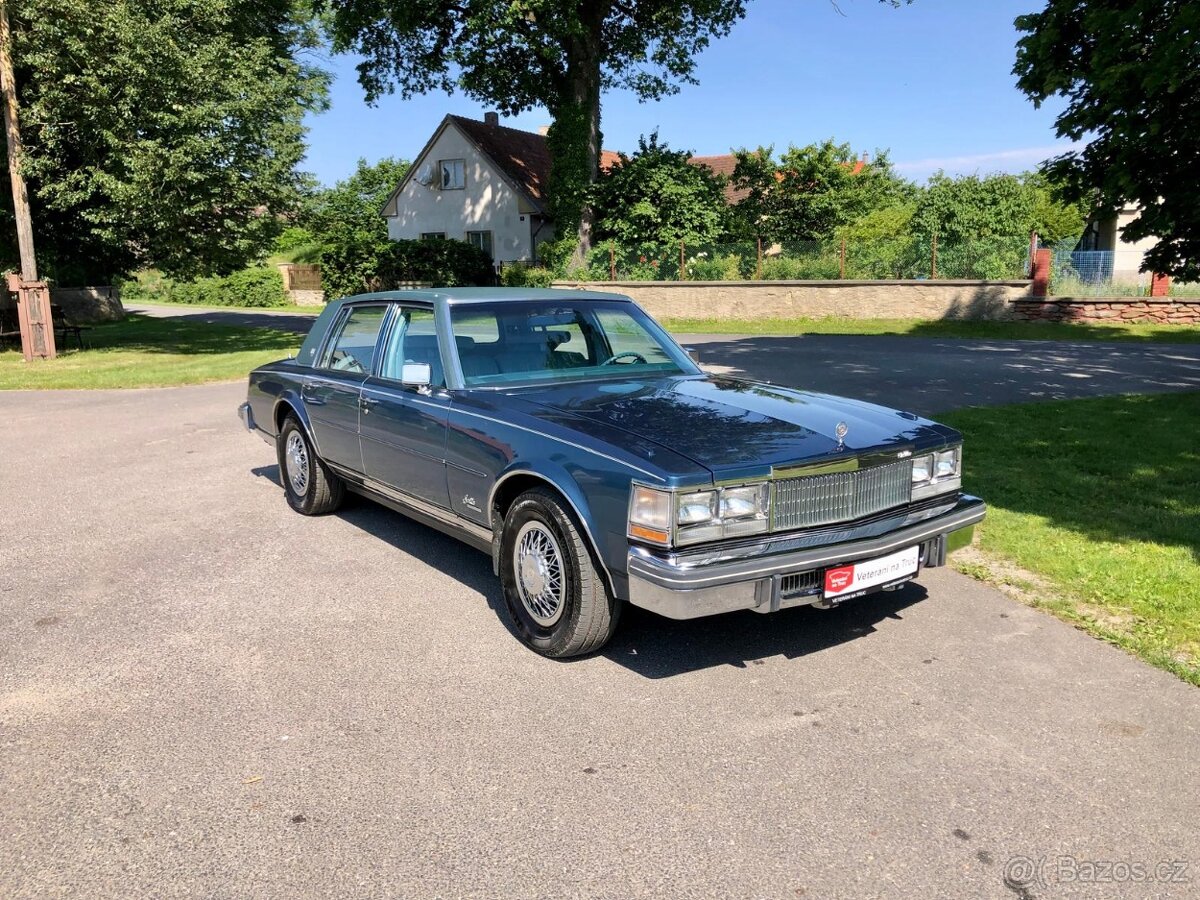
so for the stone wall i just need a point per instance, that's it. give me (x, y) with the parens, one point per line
(818, 299)
(1165, 310)
(89, 304)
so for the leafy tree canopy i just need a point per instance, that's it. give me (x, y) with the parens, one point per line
(349, 212)
(811, 191)
(160, 132)
(518, 54)
(973, 208)
(1130, 73)
(656, 198)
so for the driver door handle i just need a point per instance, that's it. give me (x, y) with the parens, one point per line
(366, 404)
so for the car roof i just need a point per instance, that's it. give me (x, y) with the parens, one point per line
(457, 295)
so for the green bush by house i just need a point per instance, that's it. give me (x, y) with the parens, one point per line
(355, 268)
(256, 287)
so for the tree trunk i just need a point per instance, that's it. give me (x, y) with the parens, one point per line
(582, 163)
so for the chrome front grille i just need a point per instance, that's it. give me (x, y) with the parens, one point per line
(812, 500)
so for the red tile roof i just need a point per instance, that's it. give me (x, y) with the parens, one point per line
(522, 155)
(723, 165)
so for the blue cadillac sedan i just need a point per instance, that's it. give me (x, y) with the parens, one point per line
(567, 435)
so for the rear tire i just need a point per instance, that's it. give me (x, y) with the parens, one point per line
(311, 488)
(553, 589)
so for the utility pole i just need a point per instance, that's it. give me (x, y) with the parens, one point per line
(33, 296)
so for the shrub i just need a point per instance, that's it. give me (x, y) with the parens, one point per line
(521, 275)
(261, 287)
(367, 266)
(729, 267)
(257, 287)
(292, 239)
(801, 268)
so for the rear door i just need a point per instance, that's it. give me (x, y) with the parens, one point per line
(331, 393)
(404, 428)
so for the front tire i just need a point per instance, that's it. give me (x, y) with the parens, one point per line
(311, 488)
(554, 592)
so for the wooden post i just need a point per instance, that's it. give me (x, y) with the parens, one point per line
(842, 262)
(612, 264)
(682, 264)
(33, 296)
(1033, 246)
(933, 274)
(758, 268)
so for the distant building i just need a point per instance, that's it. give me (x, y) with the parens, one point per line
(1104, 234)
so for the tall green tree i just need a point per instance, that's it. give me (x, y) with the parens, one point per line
(161, 132)
(973, 208)
(656, 198)
(349, 211)
(810, 192)
(1130, 73)
(518, 54)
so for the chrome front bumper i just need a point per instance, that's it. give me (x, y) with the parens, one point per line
(690, 585)
(247, 416)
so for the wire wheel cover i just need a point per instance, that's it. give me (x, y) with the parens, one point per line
(295, 457)
(541, 577)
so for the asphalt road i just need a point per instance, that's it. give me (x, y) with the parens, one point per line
(203, 694)
(924, 375)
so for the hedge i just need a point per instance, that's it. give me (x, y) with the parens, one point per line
(362, 267)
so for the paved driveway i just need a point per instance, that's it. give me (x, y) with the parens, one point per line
(925, 375)
(204, 694)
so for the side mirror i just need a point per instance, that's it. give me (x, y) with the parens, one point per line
(416, 375)
(693, 353)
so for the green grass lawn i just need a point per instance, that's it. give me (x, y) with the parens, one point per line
(953, 328)
(147, 352)
(1099, 502)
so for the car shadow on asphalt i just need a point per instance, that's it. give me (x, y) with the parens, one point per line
(657, 647)
(645, 643)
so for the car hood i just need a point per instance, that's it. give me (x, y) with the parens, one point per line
(737, 428)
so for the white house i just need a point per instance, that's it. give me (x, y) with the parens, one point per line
(1105, 235)
(479, 182)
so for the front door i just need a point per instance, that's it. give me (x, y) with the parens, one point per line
(331, 394)
(404, 427)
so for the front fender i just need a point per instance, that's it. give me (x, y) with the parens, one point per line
(593, 507)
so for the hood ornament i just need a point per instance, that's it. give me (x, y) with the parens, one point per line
(840, 432)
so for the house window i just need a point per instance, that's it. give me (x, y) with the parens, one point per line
(481, 239)
(433, 235)
(454, 175)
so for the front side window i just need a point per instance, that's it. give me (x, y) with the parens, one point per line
(454, 174)
(352, 348)
(413, 339)
(534, 341)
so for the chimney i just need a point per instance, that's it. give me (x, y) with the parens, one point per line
(491, 118)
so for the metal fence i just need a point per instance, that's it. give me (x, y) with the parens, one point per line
(886, 258)
(1098, 273)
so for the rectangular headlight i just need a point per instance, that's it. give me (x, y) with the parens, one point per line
(922, 468)
(735, 511)
(744, 502)
(650, 515)
(697, 508)
(945, 463)
(942, 473)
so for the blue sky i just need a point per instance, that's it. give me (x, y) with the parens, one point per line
(931, 83)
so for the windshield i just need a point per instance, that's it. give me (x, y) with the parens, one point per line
(504, 343)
